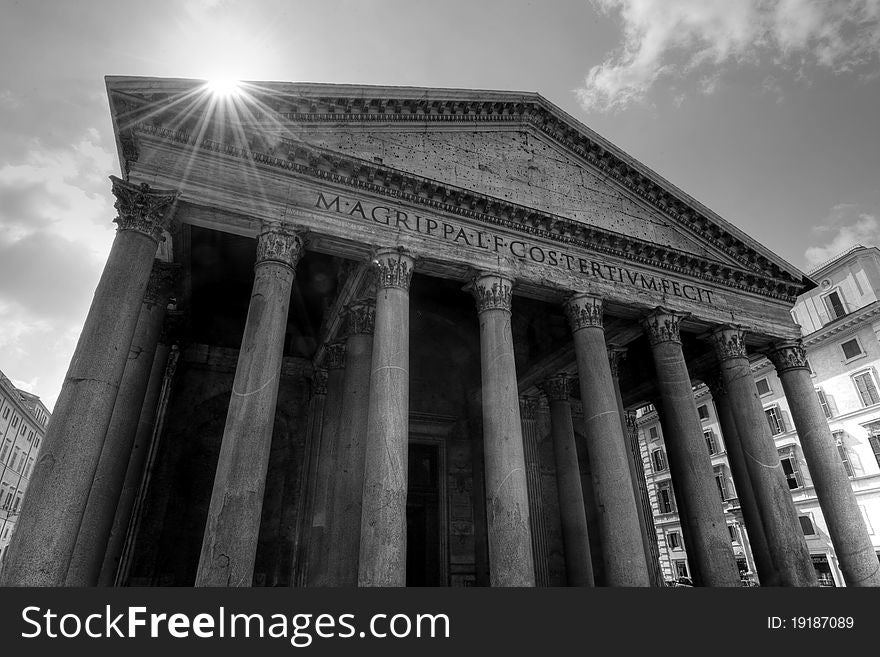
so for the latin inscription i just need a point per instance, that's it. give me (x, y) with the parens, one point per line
(521, 249)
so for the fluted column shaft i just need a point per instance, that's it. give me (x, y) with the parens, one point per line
(623, 552)
(42, 546)
(507, 507)
(326, 467)
(739, 470)
(344, 537)
(229, 545)
(702, 517)
(855, 553)
(782, 531)
(382, 554)
(97, 521)
(575, 536)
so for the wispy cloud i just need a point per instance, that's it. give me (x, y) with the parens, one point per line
(846, 226)
(55, 232)
(673, 38)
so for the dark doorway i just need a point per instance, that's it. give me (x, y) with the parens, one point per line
(423, 517)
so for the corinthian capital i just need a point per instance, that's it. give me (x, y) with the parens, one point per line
(360, 317)
(276, 243)
(142, 209)
(729, 344)
(528, 407)
(557, 387)
(788, 355)
(161, 282)
(583, 311)
(615, 358)
(492, 292)
(662, 326)
(394, 268)
(334, 356)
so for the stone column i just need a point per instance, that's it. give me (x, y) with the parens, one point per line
(511, 561)
(306, 501)
(858, 562)
(229, 545)
(137, 462)
(636, 471)
(326, 468)
(736, 457)
(528, 407)
(782, 531)
(97, 521)
(578, 563)
(702, 518)
(622, 549)
(46, 532)
(344, 538)
(382, 556)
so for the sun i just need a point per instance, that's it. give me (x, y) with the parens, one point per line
(223, 87)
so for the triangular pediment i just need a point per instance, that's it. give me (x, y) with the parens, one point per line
(507, 153)
(519, 166)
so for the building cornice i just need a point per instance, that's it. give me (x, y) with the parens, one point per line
(362, 175)
(132, 98)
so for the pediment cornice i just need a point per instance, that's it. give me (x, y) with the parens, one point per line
(314, 104)
(361, 175)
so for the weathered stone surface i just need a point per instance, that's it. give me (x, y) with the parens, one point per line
(42, 546)
(382, 556)
(623, 552)
(97, 521)
(703, 525)
(781, 529)
(230, 542)
(510, 542)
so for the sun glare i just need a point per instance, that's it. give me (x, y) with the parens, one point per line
(223, 87)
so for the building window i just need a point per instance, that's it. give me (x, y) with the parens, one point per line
(732, 531)
(851, 349)
(6, 413)
(875, 446)
(665, 499)
(807, 525)
(681, 568)
(763, 387)
(17, 502)
(659, 460)
(31, 436)
(703, 412)
(14, 420)
(721, 483)
(23, 428)
(864, 382)
(823, 402)
(792, 476)
(30, 464)
(652, 433)
(37, 443)
(834, 304)
(3, 453)
(710, 441)
(674, 540)
(844, 457)
(774, 419)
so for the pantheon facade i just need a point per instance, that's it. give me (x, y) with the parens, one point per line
(387, 336)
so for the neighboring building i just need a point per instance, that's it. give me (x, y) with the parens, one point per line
(840, 320)
(23, 420)
(379, 292)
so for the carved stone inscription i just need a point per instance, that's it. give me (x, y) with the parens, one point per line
(524, 249)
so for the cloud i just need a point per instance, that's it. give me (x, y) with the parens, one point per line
(56, 213)
(846, 228)
(673, 38)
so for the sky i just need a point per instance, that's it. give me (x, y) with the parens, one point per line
(766, 112)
